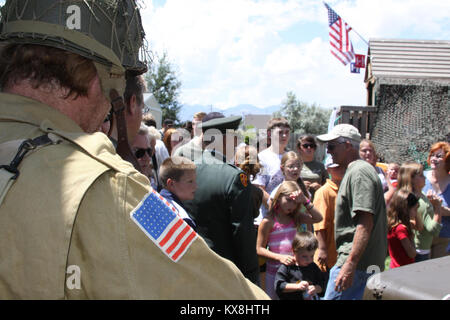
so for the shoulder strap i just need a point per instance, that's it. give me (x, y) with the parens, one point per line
(13, 152)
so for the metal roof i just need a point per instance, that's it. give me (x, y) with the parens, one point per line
(425, 59)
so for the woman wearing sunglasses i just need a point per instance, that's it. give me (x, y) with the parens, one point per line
(313, 172)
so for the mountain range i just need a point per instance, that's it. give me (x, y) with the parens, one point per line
(187, 111)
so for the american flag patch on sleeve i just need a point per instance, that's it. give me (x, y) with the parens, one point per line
(160, 222)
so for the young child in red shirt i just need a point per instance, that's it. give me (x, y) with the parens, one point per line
(402, 209)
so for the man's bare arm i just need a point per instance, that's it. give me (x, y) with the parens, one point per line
(363, 230)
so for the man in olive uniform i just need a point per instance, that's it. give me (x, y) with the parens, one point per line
(77, 221)
(222, 207)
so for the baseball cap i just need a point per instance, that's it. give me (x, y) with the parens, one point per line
(341, 130)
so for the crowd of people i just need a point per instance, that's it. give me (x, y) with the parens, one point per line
(351, 212)
(88, 183)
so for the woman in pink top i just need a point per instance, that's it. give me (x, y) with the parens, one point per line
(277, 230)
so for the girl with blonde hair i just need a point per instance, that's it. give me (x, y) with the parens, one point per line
(411, 178)
(289, 209)
(290, 169)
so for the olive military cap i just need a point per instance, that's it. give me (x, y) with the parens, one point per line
(216, 120)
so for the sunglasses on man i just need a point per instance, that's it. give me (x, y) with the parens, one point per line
(330, 147)
(139, 153)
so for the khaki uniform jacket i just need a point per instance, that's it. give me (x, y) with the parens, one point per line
(66, 231)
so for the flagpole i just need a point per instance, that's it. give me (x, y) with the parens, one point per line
(361, 37)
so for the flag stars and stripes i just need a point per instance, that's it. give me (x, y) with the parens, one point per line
(341, 46)
(160, 222)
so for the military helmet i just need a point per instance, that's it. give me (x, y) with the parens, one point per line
(109, 32)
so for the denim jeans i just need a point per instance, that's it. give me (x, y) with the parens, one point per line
(355, 292)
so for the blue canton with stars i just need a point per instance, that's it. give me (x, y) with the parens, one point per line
(332, 16)
(154, 215)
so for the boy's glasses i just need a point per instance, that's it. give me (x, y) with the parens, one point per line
(139, 153)
(309, 145)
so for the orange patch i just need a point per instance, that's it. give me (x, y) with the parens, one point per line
(244, 179)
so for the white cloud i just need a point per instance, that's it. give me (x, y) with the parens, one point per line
(398, 19)
(232, 52)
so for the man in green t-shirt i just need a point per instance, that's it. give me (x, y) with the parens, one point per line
(360, 217)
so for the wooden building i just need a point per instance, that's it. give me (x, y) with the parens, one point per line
(408, 97)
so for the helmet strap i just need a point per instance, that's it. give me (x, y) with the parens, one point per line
(123, 148)
(113, 86)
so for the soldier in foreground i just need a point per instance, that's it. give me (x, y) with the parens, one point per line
(77, 221)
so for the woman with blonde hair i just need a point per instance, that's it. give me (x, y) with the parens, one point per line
(288, 210)
(411, 178)
(368, 153)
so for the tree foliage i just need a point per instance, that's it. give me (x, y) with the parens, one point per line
(302, 117)
(162, 81)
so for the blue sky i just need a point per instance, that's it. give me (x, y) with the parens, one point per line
(232, 52)
(235, 52)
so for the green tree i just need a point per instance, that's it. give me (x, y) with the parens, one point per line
(310, 119)
(162, 81)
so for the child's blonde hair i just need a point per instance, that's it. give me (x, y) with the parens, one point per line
(290, 155)
(285, 189)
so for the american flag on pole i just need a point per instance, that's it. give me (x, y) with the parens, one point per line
(160, 222)
(341, 46)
